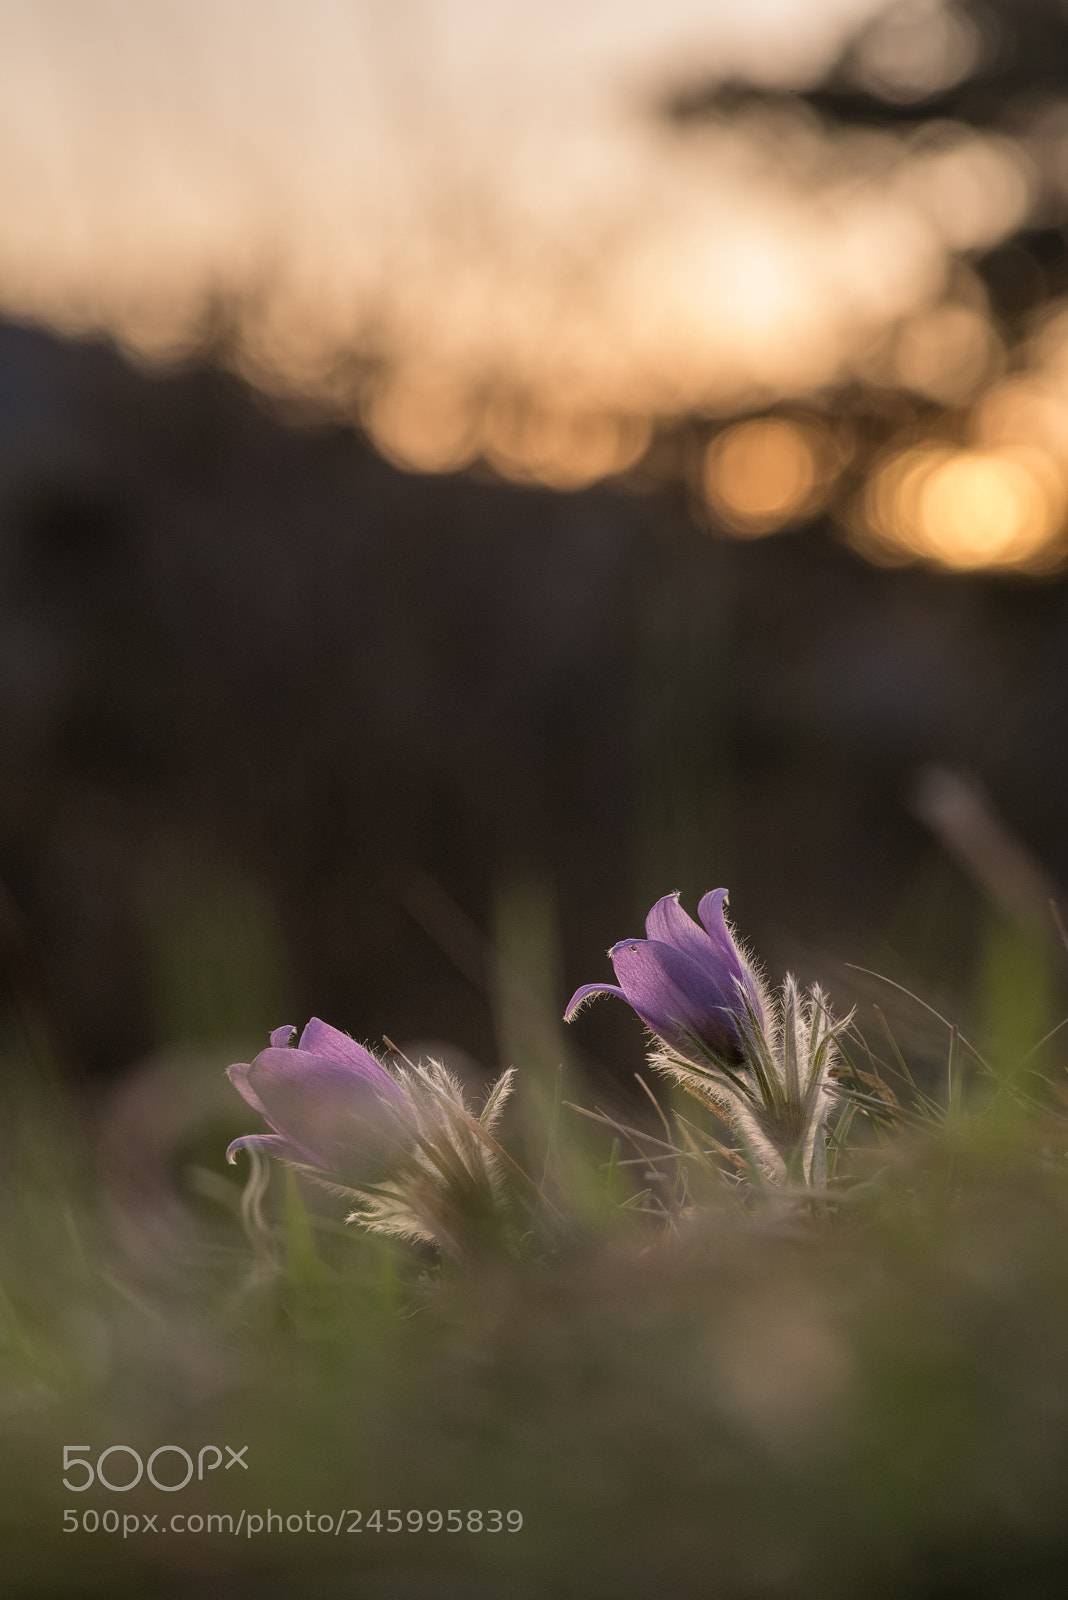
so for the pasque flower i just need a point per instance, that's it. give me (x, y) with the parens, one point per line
(765, 1063)
(329, 1103)
(404, 1143)
(692, 986)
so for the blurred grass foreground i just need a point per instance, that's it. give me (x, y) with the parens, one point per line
(671, 1369)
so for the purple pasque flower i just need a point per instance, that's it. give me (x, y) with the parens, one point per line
(329, 1102)
(688, 984)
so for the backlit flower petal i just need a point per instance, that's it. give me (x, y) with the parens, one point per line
(588, 990)
(690, 984)
(334, 1107)
(269, 1144)
(669, 923)
(238, 1076)
(711, 913)
(335, 1112)
(330, 1044)
(675, 996)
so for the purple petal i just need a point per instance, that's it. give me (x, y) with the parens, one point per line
(271, 1144)
(238, 1076)
(670, 924)
(281, 1036)
(580, 996)
(675, 995)
(330, 1044)
(710, 911)
(334, 1111)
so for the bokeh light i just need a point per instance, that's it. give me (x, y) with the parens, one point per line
(762, 474)
(967, 509)
(422, 423)
(400, 221)
(557, 447)
(915, 49)
(1022, 410)
(486, 242)
(946, 353)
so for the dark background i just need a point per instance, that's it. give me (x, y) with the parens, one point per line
(286, 731)
(283, 723)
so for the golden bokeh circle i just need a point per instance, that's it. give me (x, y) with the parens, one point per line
(762, 474)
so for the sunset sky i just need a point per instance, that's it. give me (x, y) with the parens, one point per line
(478, 200)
